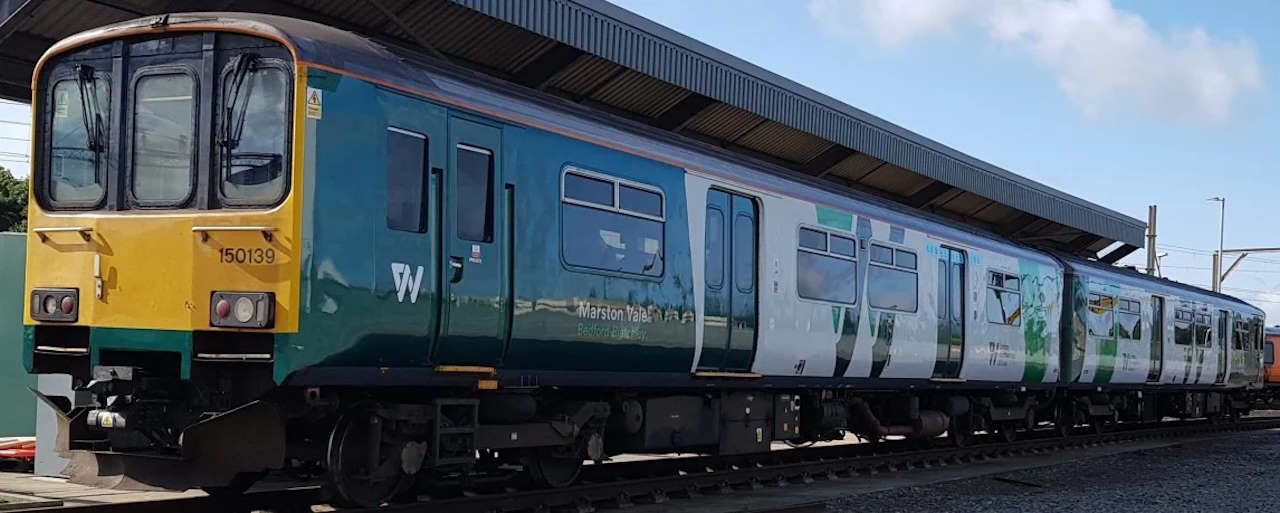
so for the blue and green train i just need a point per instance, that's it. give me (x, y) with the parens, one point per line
(258, 242)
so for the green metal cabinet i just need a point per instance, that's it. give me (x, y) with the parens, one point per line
(17, 405)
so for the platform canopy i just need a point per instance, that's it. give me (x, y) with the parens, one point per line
(613, 60)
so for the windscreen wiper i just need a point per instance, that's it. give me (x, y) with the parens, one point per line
(233, 114)
(91, 111)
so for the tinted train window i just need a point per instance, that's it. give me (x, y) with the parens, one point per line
(254, 135)
(626, 237)
(1102, 315)
(826, 278)
(588, 189)
(163, 138)
(79, 140)
(881, 254)
(715, 248)
(406, 181)
(813, 239)
(744, 253)
(824, 275)
(1004, 300)
(474, 198)
(843, 246)
(892, 281)
(640, 200)
(1182, 320)
(1129, 319)
(1203, 334)
(1269, 354)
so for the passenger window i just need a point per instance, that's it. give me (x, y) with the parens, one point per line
(78, 149)
(253, 158)
(1203, 333)
(715, 248)
(1102, 315)
(823, 275)
(640, 201)
(1182, 330)
(1269, 354)
(744, 253)
(813, 239)
(627, 237)
(406, 180)
(163, 139)
(1157, 319)
(844, 246)
(892, 285)
(590, 190)
(881, 254)
(1129, 319)
(475, 194)
(1004, 300)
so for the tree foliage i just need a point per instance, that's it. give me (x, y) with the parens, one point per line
(13, 202)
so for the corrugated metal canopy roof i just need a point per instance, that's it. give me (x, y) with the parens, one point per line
(600, 55)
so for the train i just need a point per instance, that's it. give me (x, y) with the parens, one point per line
(261, 243)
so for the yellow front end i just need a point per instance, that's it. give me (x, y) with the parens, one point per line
(164, 245)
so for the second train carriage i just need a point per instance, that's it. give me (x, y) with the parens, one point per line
(398, 270)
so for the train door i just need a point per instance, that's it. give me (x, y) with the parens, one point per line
(408, 244)
(951, 270)
(1157, 340)
(1224, 345)
(730, 308)
(476, 263)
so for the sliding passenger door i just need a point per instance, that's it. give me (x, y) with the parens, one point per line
(407, 245)
(951, 273)
(476, 263)
(1224, 345)
(1156, 365)
(730, 313)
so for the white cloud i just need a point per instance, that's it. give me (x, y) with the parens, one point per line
(1101, 56)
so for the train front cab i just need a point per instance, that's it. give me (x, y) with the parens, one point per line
(164, 244)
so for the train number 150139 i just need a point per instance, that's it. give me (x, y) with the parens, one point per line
(252, 256)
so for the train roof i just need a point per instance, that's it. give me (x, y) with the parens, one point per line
(1132, 277)
(597, 54)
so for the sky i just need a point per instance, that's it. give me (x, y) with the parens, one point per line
(1125, 104)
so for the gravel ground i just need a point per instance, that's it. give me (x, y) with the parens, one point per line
(1235, 473)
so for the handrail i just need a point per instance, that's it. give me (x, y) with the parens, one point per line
(204, 231)
(86, 232)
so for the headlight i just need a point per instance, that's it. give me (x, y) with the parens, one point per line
(55, 305)
(242, 309)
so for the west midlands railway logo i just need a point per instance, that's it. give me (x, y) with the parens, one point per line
(406, 281)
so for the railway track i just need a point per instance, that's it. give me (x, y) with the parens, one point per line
(619, 485)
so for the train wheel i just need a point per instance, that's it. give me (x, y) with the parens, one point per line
(364, 460)
(1008, 431)
(1064, 419)
(1099, 424)
(961, 430)
(553, 467)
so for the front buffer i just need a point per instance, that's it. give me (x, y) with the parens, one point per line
(211, 452)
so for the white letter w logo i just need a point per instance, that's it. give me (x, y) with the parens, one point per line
(406, 282)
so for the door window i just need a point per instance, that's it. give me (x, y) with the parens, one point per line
(475, 194)
(715, 248)
(406, 180)
(744, 253)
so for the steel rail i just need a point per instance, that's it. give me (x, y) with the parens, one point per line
(660, 480)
